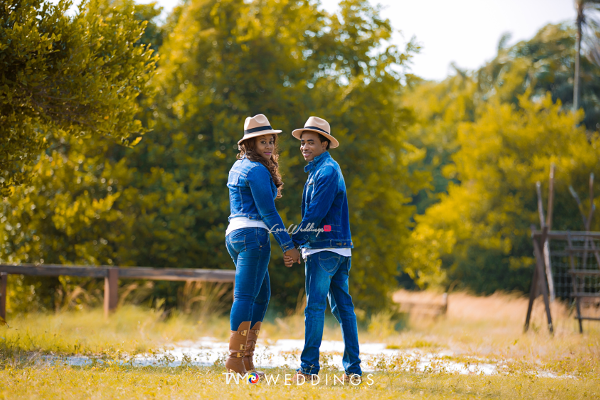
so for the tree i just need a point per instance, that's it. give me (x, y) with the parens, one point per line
(79, 76)
(288, 60)
(588, 26)
(478, 235)
(66, 213)
(542, 64)
(222, 61)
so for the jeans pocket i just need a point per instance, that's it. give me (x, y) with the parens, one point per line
(237, 236)
(262, 236)
(328, 261)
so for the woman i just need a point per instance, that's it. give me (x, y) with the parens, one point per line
(254, 183)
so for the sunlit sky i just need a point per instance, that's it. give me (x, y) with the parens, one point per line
(462, 31)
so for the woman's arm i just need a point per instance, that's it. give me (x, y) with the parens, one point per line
(259, 180)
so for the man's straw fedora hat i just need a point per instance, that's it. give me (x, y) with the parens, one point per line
(257, 126)
(319, 125)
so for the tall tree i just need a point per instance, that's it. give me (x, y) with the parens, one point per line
(67, 213)
(542, 64)
(78, 75)
(588, 27)
(469, 231)
(289, 60)
(165, 203)
(478, 235)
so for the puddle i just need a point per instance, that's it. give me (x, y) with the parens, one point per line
(286, 353)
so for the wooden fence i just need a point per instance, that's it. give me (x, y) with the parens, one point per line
(111, 277)
(578, 250)
(577, 256)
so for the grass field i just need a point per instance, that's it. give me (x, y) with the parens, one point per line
(487, 328)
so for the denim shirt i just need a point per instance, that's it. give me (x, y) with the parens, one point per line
(252, 195)
(324, 206)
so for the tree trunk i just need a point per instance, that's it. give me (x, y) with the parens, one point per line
(576, 84)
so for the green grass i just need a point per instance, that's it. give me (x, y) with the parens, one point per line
(573, 357)
(131, 329)
(207, 383)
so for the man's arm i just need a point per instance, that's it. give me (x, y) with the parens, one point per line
(326, 184)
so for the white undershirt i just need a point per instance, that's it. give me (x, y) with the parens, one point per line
(342, 251)
(243, 222)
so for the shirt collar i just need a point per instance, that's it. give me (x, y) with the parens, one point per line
(317, 161)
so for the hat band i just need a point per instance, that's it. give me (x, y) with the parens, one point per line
(319, 129)
(260, 128)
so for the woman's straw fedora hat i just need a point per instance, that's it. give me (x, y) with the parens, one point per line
(257, 126)
(319, 125)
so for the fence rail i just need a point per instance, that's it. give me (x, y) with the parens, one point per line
(111, 277)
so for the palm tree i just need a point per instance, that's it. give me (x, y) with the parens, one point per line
(588, 28)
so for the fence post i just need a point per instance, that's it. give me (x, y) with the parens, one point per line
(533, 292)
(537, 248)
(3, 292)
(111, 285)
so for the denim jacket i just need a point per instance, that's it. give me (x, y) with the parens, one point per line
(325, 218)
(252, 195)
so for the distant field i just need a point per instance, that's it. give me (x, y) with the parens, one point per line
(473, 329)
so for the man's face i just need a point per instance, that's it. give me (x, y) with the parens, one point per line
(311, 146)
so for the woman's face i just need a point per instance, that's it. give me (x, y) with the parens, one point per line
(265, 145)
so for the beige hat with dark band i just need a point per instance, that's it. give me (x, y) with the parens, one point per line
(319, 125)
(257, 126)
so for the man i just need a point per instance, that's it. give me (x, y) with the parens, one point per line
(326, 243)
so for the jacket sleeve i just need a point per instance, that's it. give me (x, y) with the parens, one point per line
(324, 192)
(259, 181)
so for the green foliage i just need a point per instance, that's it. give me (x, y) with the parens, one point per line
(479, 233)
(466, 234)
(463, 154)
(439, 108)
(165, 202)
(77, 76)
(288, 60)
(543, 64)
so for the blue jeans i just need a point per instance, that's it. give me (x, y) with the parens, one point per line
(327, 279)
(250, 250)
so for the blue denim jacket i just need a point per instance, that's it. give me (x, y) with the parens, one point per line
(252, 195)
(324, 206)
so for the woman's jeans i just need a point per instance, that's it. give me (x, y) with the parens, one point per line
(250, 249)
(327, 279)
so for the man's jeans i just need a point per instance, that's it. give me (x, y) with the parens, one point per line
(250, 250)
(327, 279)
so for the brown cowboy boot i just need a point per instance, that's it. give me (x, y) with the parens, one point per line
(237, 346)
(354, 379)
(252, 338)
(305, 377)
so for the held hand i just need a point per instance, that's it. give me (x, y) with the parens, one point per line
(293, 254)
(288, 261)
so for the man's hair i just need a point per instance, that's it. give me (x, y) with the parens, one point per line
(321, 138)
(324, 139)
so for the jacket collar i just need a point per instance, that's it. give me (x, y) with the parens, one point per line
(317, 161)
